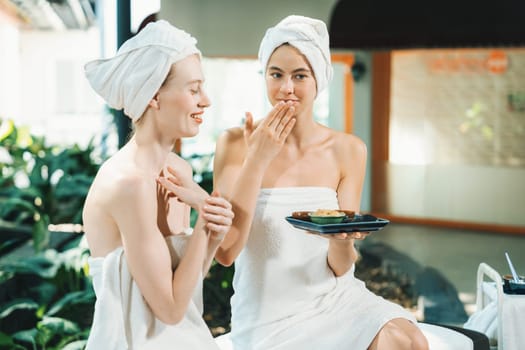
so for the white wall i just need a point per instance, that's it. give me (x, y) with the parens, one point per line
(42, 83)
(9, 70)
(55, 97)
(478, 194)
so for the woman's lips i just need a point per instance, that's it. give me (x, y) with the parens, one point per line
(197, 117)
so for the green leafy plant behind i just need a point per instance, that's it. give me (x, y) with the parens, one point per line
(46, 300)
(42, 184)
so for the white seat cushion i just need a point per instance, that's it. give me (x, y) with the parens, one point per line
(442, 338)
(439, 338)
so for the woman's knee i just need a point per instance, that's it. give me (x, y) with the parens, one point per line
(419, 341)
(399, 335)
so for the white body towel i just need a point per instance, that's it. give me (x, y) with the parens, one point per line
(123, 320)
(286, 296)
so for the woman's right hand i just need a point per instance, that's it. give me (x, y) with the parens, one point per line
(266, 139)
(184, 188)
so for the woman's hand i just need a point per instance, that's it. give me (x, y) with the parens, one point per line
(343, 236)
(184, 188)
(350, 235)
(216, 210)
(266, 140)
(219, 216)
(163, 207)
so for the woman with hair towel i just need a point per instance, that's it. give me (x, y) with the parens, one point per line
(294, 290)
(146, 264)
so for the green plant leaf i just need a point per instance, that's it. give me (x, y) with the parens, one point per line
(6, 342)
(71, 299)
(57, 325)
(17, 304)
(41, 234)
(76, 345)
(44, 265)
(6, 128)
(26, 336)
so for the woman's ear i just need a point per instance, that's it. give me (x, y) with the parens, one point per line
(154, 102)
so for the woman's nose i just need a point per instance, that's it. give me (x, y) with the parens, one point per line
(287, 86)
(205, 100)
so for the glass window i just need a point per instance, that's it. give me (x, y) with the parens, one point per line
(458, 106)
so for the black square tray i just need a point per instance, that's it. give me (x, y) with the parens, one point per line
(359, 223)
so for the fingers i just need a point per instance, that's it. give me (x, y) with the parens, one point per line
(286, 125)
(167, 184)
(345, 236)
(172, 171)
(218, 206)
(362, 235)
(276, 113)
(280, 115)
(351, 235)
(218, 213)
(174, 180)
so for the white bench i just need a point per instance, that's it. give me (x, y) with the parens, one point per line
(439, 338)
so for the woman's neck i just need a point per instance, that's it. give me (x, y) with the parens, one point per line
(303, 132)
(150, 156)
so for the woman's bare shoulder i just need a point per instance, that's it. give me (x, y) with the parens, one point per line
(177, 162)
(115, 182)
(230, 139)
(350, 143)
(232, 136)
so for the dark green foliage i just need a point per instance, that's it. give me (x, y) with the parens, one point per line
(55, 182)
(46, 300)
(46, 297)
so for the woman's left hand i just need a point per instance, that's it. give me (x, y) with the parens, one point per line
(341, 236)
(219, 215)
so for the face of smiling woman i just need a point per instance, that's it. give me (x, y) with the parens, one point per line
(182, 99)
(289, 77)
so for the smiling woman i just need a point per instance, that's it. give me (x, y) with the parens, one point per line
(136, 223)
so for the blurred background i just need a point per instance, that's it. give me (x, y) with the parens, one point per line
(436, 91)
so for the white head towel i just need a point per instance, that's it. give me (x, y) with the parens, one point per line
(309, 36)
(133, 77)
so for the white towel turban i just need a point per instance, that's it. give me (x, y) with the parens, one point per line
(131, 78)
(309, 36)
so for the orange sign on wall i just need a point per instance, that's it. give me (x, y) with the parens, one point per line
(495, 62)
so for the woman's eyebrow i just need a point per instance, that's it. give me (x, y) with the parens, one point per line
(195, 81)
(298, 70)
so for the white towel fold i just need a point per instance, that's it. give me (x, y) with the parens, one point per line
(132, 78)
(309, 36)
(123, 319)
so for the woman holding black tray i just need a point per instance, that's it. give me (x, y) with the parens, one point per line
(294, 290)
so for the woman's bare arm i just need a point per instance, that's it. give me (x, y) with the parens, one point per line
(241, 183)
(167, 292)
(241, 159)
(214, 209)
(341, 252)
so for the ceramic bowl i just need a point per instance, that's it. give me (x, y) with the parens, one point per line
(324, 219)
